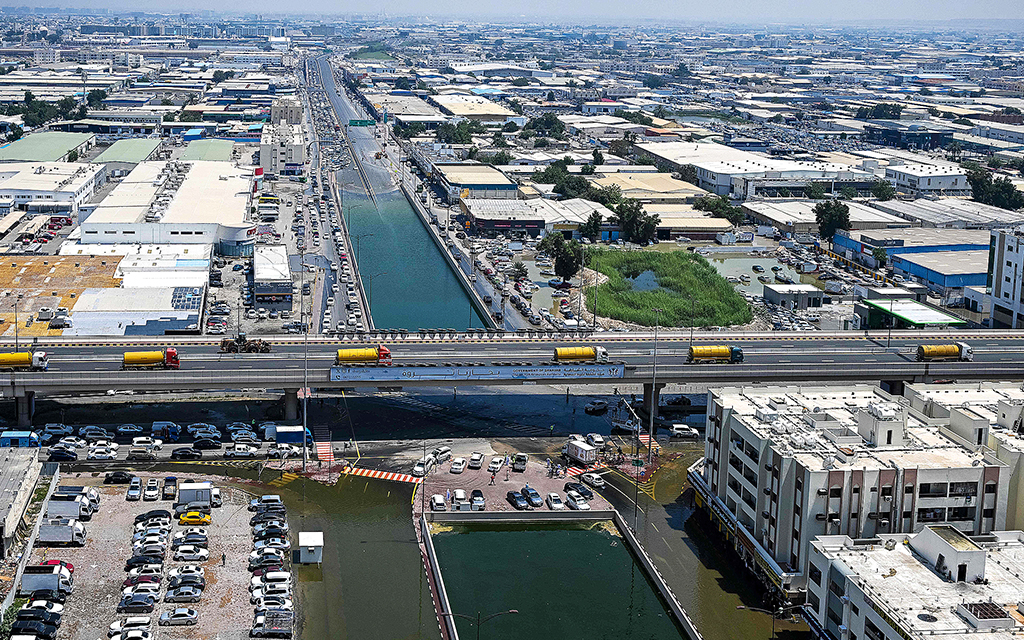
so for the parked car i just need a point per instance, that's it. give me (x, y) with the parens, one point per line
(134, 622)
(194, 517)
(187, 581)
(555, 502)
(44, 605)
(141, 603)
(576, 501)
(531, 496)
(458, 465)
(186, 570)
(183, 594)
(517, 500)
(578, 488)
(272, 543)
(134, 489)
(476, 460)
(151, 515)
(496, 464)
(186, 453)
(54, 562)
(476, 498)
(152, 491)
(179, 616)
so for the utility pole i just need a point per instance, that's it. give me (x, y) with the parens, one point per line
(654, 388)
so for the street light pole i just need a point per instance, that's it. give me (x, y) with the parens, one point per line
(16, 321)
(479, 620)
(654, 387)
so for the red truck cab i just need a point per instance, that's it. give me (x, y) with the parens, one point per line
(171, 359)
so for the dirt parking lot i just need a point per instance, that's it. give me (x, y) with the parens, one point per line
(224, 610)
(440, 480)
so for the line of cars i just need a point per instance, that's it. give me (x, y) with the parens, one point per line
(576, 497)
(242, 440)
(270, 588)
(41, 616)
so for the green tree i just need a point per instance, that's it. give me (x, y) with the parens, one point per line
(591, 228)
(73, 155)
(190, 116)
(498, 140)
(518, 271)
(501, 158)
(636, 117)
(881, 111)
(598, 157)
(520, 82)
(637, 225)
(720, 207)
(510, 127)
(783, 192)
(688, 173)
(15, 133)
(998, 192)
(587, 170)
(653, 82)
(815, 191)
(540, 143)
(831, 216)
(95, 98)
(847, 193)
(880, 256)
(883, 190)
(568, 259)
(166, 102)
(29, 97)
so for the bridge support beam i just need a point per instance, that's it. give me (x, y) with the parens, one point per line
(652, 396)
(26, 408)
(291, 404)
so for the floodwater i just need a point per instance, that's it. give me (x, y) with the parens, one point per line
(565, 582)
(408, 281)
(742, 264)
(646, 281)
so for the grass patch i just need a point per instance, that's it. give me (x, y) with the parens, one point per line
(680, 275)
(372, 55)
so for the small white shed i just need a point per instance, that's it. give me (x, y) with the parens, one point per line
(311, 547)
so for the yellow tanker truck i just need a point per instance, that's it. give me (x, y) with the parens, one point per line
(715, 353)
(35, 361)
(379, 355)
(957, 351)
(577, 354)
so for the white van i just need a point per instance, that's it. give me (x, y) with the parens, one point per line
(442, 454)
(272, 578)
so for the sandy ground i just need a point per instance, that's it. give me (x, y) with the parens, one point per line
(224, 610)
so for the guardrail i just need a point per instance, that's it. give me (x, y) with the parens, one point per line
(27, 553)
(515, 516)
(444, 616)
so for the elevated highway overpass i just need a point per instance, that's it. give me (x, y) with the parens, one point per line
(93, 365)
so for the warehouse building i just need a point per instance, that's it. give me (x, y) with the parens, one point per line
(682, 221)
(797, 216)
(785, 465)
(657, 188)
(944, 272)
(950, 213)
(177, 203)
(123, 156)
(537, 217)
(473, 180)
(860, 245)
(47, 146)
(272, 278)
(473, 108)
(937, 583)
(923, 180)
(405, 109)
(48, 187)
(794, 296)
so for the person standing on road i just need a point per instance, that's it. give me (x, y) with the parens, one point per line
(492, 480)
(223, 559)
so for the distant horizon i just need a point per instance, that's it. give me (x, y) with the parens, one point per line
(873, 14)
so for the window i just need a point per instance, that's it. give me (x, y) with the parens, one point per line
(856, 488)
(988, 513)
(963, 489)
(962, 514)
(872, 632)
(855, 609)
(835, 492)
(933, 490)
(812, 599)
(938, 514)
(908, 489)
(887, 490)
(834, 617)
(814, 573)
(907, 515)
(990, 487)
(799, 484)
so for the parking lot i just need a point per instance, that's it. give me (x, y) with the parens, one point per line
(440, 481)
(224, 610)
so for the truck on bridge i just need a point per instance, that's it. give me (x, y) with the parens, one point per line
(577, 354)
(715, 353)
(161, 359)
(35, 361)
(379, 355)
(958, 351)
(242, 344)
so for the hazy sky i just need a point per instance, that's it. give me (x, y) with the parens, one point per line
(745, 11)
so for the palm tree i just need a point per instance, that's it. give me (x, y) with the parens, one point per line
(518, 271)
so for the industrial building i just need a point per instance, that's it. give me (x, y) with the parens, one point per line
(1006, 279)
(917, 134)
(937, 583)
(404, 108)
(924, 180)
(537, 217)
(950, 213)
(944, 272)
(177, 202)
(283, 150)
(791, 217)
(286, 110)
(784, 465)
(986, 413)
(473, 180)
(473, 108)
(794, 296)
(272, 279)
(18, 477)
(683, 221)
(657, 188)
(48, 187)
(122, 156)
(860, 245)
(47, 146)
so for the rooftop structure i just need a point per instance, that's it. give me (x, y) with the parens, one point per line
(18, 475)
(46, 146)
(177, 202)
(211, 150)
(797, 216)
(785, 464)
(944, 271)
(651, 187)
(128, 152)
(472, 180)
(907, 314)
(535, 217)
(49, 186)
(935, 583)
(473, 107)
(951, 212)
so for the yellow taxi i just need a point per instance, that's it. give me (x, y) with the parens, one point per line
(194, 517)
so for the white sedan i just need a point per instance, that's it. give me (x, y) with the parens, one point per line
(148, 443)
(72, 442)
(284, 451)
(191, 553)
(241, 451)
(458, 465)
(44, 605)
(102, 453)
(593, 480)
(555, 502)
(106, 443)
(186, 570)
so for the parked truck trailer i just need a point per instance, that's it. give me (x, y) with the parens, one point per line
(62, 531)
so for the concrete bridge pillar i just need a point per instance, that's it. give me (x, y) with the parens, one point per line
(652, 396)
(26, 406)
(291, 404)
